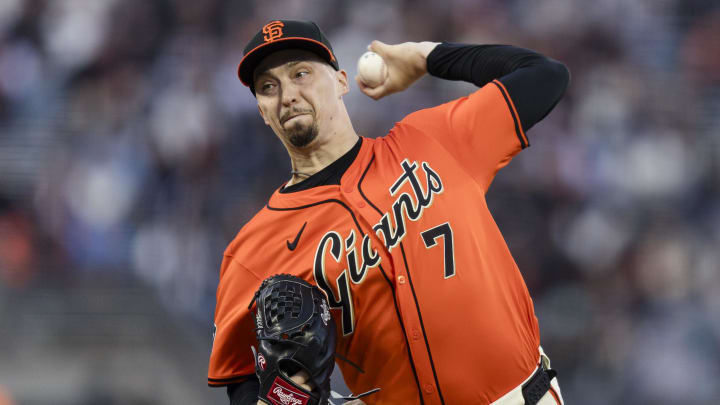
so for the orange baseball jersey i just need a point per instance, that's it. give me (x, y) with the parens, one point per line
(427, 298)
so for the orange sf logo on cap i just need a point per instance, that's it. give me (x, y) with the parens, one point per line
(273, 30)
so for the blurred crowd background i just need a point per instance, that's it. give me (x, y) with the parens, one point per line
(130, 155)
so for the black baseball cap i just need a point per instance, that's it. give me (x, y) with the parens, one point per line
(283, 34)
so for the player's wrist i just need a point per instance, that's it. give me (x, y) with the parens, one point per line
(424, 49)
(416, 57)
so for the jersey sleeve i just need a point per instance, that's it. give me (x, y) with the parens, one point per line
(231, 358)
(481, 131)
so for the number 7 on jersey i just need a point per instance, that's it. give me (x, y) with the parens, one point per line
(430, 238)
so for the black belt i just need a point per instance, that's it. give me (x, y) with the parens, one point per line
(537, 385)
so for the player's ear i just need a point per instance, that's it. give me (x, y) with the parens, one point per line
(263, 116)
(342, 82)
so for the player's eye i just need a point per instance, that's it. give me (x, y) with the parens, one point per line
(301, 73)
(267, 86)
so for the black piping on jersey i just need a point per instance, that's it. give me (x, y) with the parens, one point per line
(229, 380)
(422, 325)
(362, 178)
(412, 289)
(518, 132)
(392, 287)
(330, 200)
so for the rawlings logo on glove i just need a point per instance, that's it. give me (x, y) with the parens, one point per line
(286, 395)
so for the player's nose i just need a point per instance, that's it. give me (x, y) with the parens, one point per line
(290, 95)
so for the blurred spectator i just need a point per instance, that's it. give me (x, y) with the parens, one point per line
(16, 245)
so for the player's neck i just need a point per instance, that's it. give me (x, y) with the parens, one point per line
(327, 148)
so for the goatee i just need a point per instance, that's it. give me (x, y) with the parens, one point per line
(301, 135)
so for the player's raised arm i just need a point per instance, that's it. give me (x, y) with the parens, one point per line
(535, 83)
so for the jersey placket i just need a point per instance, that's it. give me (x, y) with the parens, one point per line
(405, 296)
(407, 301)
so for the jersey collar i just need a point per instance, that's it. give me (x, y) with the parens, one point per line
(317, 194)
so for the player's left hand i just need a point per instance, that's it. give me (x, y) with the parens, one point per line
(302, 379)
(405, 62)
(296, 338)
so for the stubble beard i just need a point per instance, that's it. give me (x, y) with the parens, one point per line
(301, 135)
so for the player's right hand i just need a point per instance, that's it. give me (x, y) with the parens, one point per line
(406, 63)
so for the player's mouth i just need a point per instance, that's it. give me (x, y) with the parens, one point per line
(290, 116)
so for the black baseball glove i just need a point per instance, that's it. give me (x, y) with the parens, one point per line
(295, 332)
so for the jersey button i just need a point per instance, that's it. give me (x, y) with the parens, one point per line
(416, 334)
(401, 279)
(429, 389)
(361, 204)
(348, 188)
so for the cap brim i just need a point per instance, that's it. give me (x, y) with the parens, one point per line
(251, 59)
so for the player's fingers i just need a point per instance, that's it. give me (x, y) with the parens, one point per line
(379, 48)
(363, 87)
(302, 379)
(374, 93)
(385, 51)
(360, 84)
(355, 402)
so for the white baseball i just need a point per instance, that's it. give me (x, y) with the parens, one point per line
(371, 69)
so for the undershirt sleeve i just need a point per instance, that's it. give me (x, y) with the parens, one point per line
(244, 393)
(534, 82)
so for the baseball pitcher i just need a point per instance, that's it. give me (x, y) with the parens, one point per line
(427, 301)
